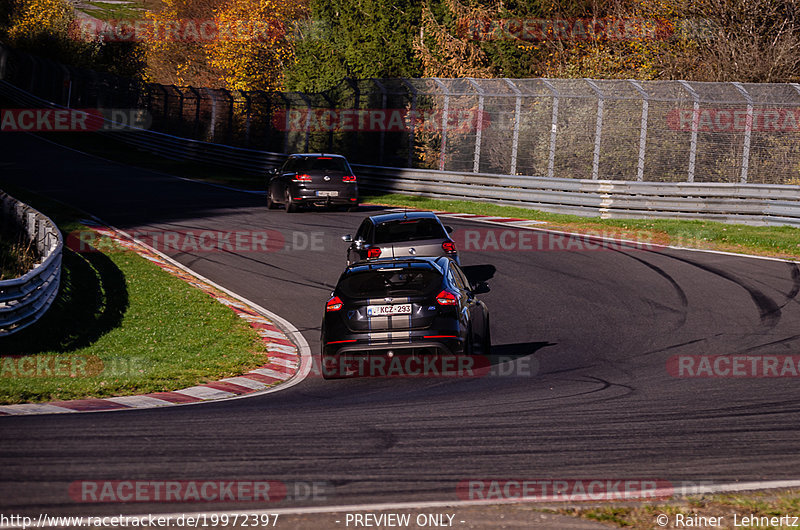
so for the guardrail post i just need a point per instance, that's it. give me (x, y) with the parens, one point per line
(197, 98)
(695, 119)
(413, 125)
(598, 130)
(444, 121)
(748, 129)
(515, 134)
(551, 156)
(476, 159)
(642, 130)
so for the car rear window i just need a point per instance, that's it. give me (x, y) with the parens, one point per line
(393, 282)
(409, 230)
(322, 164)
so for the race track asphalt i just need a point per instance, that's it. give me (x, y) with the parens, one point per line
(582, 336)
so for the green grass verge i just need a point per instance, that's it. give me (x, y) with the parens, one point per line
(119, 326)
(722, 507)
(778, 241)
(107, 11)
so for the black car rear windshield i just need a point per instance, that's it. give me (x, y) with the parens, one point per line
(380, 283)
(326, 163)
(409, 230)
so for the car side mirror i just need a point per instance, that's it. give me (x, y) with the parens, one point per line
(273, 171)
(481, 288)
(347, 239)
(449, 229)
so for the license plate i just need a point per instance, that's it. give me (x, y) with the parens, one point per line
(327, 194)
(387, 310)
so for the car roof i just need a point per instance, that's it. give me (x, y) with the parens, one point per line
(405, 263)
(399, 216)
(316, 155)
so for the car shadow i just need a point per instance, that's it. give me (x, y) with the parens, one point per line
(479, 273)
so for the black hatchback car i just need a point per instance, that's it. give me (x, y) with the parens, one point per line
(312, 179)
(407, 307)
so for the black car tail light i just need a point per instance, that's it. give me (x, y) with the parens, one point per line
(349, 178)
(302, 178)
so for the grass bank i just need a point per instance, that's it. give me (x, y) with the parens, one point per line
(120, 326)
(712, 511)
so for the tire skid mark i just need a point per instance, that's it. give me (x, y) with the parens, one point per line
(769, 311)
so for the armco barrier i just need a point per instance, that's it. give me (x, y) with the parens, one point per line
(24, 300)
(756, 204)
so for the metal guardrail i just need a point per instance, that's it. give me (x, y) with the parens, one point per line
(24, 300)
(757, 204)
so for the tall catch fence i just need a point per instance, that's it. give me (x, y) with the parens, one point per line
(639, 131)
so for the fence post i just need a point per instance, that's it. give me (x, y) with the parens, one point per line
(642, 131)
(476, 159)
(247, 110)
(382, 141)
(598, 129)
(413, 124)
(444, 121)
(308, 119)
(748, 130)
(3, 61)
(551, 157)
(515, 135)
(695, 118)
(196, 127)
(212, 126)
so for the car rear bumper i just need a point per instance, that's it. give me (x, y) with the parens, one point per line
(304, 195)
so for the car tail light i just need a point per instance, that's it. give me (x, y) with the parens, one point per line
(334, 304)
(449, 247)
(374, 252)
(349, 178)
(302, 178)
(446, 298)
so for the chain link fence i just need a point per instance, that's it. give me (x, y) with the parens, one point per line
(646, 131)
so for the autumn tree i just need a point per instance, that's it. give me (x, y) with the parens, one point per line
(255, 42)
(180, 61)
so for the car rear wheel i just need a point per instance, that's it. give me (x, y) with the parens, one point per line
(290, 205)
